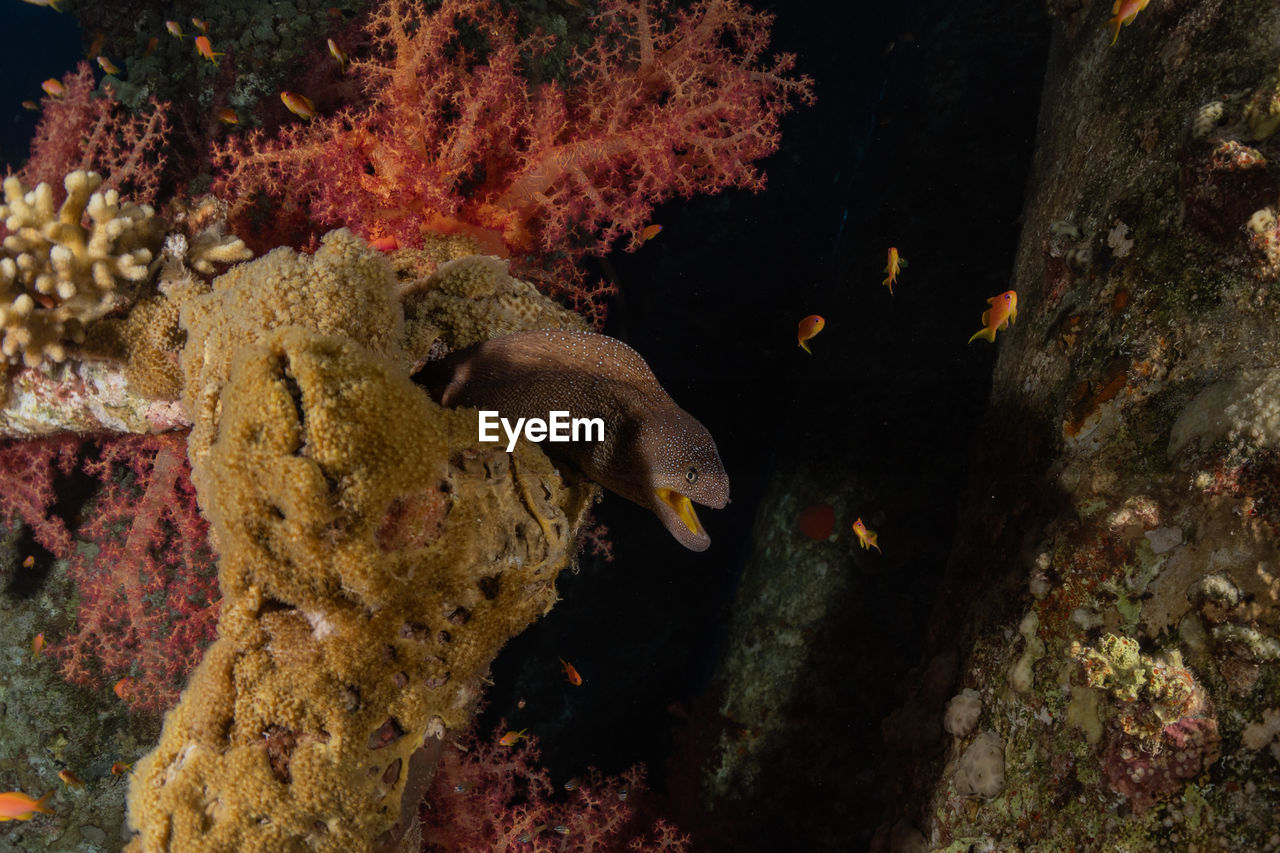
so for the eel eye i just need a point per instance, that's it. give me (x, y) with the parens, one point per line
(691, 475)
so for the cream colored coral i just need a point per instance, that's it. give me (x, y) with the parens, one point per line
(63, 267)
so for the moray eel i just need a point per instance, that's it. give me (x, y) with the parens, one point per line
(654, 452)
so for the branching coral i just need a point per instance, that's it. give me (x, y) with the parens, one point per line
(458, 139)
(88, 130)
(65, 266)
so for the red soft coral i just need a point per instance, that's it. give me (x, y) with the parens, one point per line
(456, 139)
(487, 797)
(90, 130)
(138, 552)
(146, 575)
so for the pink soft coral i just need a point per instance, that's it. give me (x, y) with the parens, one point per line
(487, 797)
(146, 574)
(140, 558)
(91, 130)
(456, 140)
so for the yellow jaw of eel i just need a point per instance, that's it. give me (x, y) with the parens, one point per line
(682, 507)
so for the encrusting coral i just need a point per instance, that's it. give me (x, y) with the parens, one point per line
(373, 559)
(58, 272)
(472, 299)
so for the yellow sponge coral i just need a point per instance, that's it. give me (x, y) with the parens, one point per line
(472, 299)
(373, 559)
(63, 267)
(345, 288)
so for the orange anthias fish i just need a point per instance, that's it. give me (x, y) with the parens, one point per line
(52, 4)
(205, 49)
(120, 768)
(299, 105)
(70, 779)
(1122, 14)
(650, 231)
(53, 87)
(15, 805)
(385, 244)
(809, 328)
(201, 25)
(152, 44)
(107, 65)
(226, 115)
(336, 53)
(511, 738)
(1003, 311)
(37, 645)
(570, 673)
(123, 687)
(95, 46)
(866, 537)
(896, 264)
(175, 28)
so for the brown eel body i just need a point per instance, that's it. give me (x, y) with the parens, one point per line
(654, 452)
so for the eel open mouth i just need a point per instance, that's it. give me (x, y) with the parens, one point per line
(682, 507)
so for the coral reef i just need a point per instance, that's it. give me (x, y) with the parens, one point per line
(472, 299)
(68, 265)
(144, 572)
(89, 130)
(649, 112)
(1118, 595)
(362, 600)
(486, 796)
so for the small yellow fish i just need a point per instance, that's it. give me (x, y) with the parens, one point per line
(175, 28)
(650, 231)
(299, 105)
(52, 4)
(205, 49)
(866, 537)
(511, 738)
(53, 87)
(70, 779)
(37, 645)
(895, 265)
(336, 53)
(1122, 14)
(226, 115)
(1003, 311)
(809, 328)
(107, 65)
(120, 768)
(30, 560)
(15, 805)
